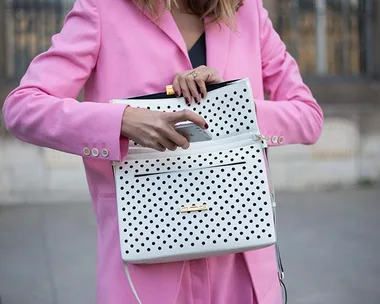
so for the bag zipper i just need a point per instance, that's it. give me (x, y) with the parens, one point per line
(241, 140)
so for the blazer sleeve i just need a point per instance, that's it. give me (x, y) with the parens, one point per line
(292, 113)
(43, 109)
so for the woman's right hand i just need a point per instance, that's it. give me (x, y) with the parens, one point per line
(155, 129)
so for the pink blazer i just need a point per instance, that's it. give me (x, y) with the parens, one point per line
(114, 50)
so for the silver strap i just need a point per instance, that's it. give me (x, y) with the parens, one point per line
(274, 205)
(131, 283)
(281, 274)
(280, 267)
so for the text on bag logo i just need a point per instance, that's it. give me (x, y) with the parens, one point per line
(194, 208)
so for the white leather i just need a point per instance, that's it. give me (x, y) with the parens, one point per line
(228, 174)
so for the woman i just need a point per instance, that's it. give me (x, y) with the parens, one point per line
(122, 48)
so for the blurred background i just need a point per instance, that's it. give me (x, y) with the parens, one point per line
(329, 194)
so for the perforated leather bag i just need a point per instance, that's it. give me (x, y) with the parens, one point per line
(213, 198)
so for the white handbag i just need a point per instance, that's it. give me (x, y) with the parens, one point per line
(211, 199)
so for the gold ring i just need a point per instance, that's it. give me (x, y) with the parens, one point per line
(195, 74)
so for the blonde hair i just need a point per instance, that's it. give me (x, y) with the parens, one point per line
(218, 10)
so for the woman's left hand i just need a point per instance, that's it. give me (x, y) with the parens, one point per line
(189, 83)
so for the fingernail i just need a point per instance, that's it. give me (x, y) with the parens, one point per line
(206, 125)
(188, 101)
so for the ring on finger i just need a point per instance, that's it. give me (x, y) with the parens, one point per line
(195, 74)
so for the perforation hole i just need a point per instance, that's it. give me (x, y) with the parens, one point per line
(236, 191)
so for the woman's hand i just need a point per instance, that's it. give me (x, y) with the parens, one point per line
(190, 83)
(155, 129)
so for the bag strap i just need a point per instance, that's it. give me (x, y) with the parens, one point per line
(131, 283)
(280, 267)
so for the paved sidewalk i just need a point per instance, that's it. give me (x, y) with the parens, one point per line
(330, 243)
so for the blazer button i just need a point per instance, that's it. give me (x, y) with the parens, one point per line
(95, 152)
(281, 139)
(105, 153)
(86, 151)
(274, 139)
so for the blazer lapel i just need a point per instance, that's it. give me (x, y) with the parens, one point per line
(217, 38)
(217, 45)
(167, 24)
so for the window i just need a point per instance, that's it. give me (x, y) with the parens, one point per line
(327, 37)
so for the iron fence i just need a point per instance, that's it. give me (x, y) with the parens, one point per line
(29, 26)
(328, 37)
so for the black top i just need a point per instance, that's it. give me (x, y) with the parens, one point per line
(197, 53)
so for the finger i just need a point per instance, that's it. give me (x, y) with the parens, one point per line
(177, 138)
(186, 115)
(184, 88)
(207, 75)
(176, 86)
(212, 76)
(157, 146)
(167, 143)
(168, 136)
(201, 85)
(200, 81)
(190, 80)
